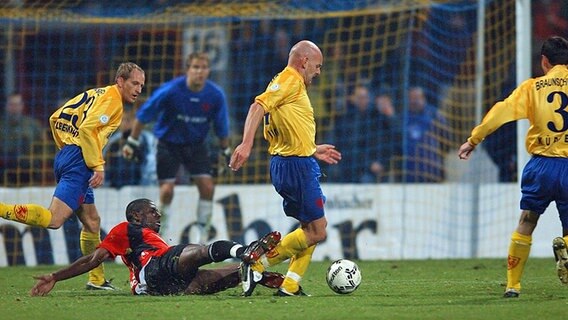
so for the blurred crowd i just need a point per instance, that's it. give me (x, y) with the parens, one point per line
(389, 128)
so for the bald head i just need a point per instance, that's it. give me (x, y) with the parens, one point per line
(307, 59)
(302, 49)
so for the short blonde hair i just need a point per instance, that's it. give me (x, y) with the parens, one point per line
(125, 69)
(196, 55)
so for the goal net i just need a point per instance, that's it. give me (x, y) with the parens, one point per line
(396, 95)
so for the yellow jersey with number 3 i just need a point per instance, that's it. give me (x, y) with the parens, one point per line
(289, 124)
(87, 121)
(544, 102)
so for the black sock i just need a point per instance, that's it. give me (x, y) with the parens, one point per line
(221, 250)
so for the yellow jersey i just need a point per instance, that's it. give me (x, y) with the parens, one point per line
(544, 102)
(289, 124)
(87, 121)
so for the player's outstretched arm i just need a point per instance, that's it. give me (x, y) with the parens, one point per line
(465, 150)
(243, 150)
(46, 282)
(327, 153)
(43, 285)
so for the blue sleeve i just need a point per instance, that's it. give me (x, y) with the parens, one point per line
(150, 110)
(222, 117)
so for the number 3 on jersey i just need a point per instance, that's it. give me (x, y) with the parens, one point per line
(561, 111)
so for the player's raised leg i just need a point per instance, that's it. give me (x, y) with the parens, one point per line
(30, 214)
(36, 215)
(249, 276)
(194, 256)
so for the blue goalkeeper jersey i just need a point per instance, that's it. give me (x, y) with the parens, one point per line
(183, 116)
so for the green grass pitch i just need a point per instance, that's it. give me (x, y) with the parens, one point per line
(426, 289)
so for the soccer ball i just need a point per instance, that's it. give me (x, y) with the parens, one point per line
(343, 276)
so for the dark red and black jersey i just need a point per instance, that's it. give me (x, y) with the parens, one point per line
(135, 245)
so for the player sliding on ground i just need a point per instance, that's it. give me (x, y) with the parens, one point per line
(159, 269)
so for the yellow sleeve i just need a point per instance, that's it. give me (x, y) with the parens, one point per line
(516, 106)
(102, 120)
(280, 90)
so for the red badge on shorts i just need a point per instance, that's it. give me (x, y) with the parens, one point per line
(319, 203)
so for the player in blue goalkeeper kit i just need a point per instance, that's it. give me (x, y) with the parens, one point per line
(289, 127)
(544, 102)
(81, 128)
(184, 110)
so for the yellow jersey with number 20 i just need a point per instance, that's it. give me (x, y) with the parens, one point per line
(87, 121)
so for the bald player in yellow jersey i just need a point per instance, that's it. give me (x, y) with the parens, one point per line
(289, 127)
(544, 102)
(81, 128)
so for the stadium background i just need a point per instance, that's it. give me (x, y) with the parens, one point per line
(53, 50)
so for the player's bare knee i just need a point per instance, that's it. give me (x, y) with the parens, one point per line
(92, 225)
(206, 190)
(206, 194)
(529, 218)
(55, 225)
(316, 236)
(56, 221)
(166, 196)
(166, 192)
(193, 256)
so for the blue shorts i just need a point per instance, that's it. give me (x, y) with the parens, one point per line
(72, 176)
(545, 180)
(296, 179)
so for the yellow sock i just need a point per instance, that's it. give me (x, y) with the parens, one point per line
(89, 242)
(298, 266)
(293, 243)
(519, 250)
(258, 267)
(30, 214)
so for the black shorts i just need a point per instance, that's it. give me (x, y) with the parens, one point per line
(195, 158)
(162, 276)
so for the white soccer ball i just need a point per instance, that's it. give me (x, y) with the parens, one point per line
(343, 276)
